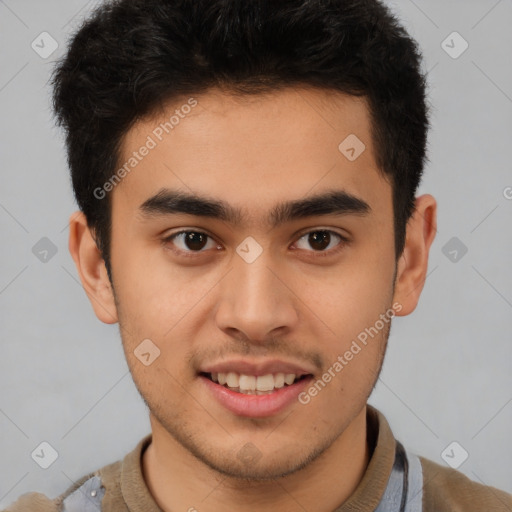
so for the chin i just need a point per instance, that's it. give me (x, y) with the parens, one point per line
(251, 472)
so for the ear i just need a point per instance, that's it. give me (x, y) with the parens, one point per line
(412, 265)
(91, 269)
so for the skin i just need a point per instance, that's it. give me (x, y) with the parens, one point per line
(288, 304)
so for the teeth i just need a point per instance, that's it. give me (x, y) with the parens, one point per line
(264, 383)
(279, 380)
(289, 378)
(232, 380)
(250, 383)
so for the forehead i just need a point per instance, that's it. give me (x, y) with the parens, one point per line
(254, 151)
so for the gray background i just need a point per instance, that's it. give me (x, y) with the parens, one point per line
(63, 376)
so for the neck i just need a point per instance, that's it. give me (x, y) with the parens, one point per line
(179, 481)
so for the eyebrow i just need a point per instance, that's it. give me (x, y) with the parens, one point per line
(334, 202)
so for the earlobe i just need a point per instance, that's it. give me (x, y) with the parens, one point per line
(413, 263)
(91, 268)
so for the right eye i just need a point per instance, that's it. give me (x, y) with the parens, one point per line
(192, 242)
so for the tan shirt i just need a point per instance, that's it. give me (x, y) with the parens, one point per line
(444, 489)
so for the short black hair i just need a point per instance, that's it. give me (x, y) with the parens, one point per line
(130, 57)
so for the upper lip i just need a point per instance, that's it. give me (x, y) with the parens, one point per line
(245, 367)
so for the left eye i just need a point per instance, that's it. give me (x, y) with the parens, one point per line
(195, 241)
(320, 239)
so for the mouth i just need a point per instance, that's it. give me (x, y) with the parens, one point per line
(254, 396)
(254, 385)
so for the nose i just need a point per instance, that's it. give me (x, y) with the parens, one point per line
(257, 300)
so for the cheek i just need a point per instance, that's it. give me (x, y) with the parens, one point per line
(154, 293)
(160, 302)
(352, 296)
(350, 303)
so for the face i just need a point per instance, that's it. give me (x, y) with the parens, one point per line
(266, 290)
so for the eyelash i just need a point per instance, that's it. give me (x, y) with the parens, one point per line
(322, 254)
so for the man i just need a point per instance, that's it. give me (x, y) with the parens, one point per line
(246, 175)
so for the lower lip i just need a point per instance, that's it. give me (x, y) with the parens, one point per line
(256, 406)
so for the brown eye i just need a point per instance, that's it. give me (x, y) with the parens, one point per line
(194, 241)
(189, 241)
(319, 240)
